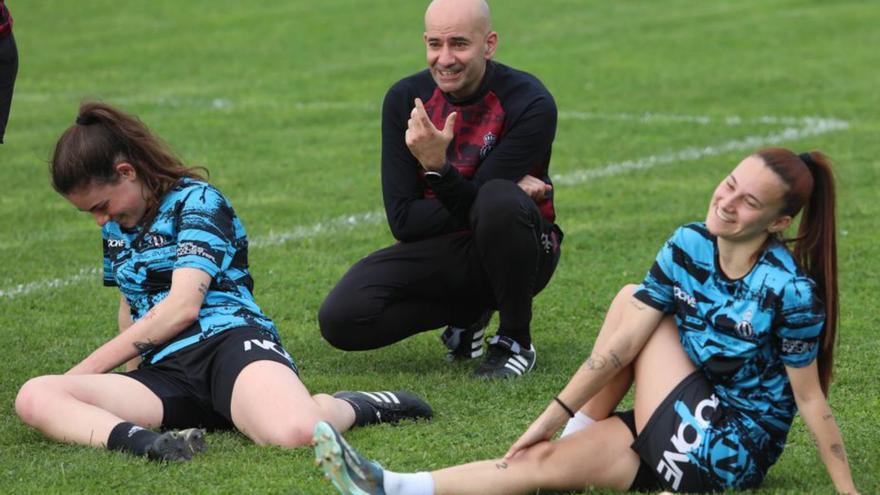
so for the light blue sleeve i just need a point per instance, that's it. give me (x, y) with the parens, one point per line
(656, 289)
(206, 232)
(799, 323)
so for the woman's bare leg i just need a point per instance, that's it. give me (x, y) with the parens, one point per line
(272, 406)
(604, 402)
(83, 409)
(600, 458)
(659, 368)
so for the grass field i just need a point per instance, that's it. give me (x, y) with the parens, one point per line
(280, 100)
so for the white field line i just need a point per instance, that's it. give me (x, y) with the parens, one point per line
(333, 226)
(24, 289)
(809, 126)
(649, 118)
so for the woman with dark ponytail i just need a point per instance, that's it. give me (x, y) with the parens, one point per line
(729, 335)
(200, 353)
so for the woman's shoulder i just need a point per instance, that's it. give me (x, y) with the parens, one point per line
(779, 269)
(196, 191)
(692, 235)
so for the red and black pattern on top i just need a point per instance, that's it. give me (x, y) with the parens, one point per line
(503, 131)
(478, 128)
(5, 20)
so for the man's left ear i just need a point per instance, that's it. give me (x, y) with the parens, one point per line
(126, 170)
(491, 45)
(779, 224)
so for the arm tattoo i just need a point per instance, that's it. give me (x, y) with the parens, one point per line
(838, 452)
(615, 360)
(501, 465)
(203, 288)
(828, 416)
(596, 363)
(144, 347)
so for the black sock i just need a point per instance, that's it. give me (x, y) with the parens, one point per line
(364, 412)
(131, 438)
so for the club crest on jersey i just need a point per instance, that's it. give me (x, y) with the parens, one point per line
(489, 141)
(744, 328)
(155, 240)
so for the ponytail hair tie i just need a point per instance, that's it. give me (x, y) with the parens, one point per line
(807, 158)
(85, 120)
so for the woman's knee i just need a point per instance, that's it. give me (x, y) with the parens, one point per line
(626, 292)
(287, 434)
(32, 401)
(539, 460)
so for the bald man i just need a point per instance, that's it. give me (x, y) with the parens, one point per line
(465, 156)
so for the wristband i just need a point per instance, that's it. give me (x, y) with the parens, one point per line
(562, 404)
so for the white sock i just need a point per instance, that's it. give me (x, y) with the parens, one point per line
(408, 483)
(577, 423)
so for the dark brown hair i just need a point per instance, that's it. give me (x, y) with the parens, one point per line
(102, 137)
(810, 183)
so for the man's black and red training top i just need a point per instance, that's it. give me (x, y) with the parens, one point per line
(503, 131)
(5, 20)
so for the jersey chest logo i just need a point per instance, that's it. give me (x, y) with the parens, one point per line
(489, 141)
(744, 328)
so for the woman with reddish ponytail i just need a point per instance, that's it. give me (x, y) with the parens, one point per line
(200, 351)
(730, 334)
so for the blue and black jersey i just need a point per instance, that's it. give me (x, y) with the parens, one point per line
(740, 333)
(194, 227)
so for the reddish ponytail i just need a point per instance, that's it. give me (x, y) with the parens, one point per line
(811, 189)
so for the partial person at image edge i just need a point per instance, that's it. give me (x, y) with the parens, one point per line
(8, 66)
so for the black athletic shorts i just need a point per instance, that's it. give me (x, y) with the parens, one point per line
(195, 384)
(693, 443)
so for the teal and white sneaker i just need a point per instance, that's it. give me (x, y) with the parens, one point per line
(349, 471)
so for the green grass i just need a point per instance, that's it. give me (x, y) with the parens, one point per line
(281, 101)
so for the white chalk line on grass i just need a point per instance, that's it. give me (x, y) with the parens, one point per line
(227, 103)
(809, 126)
(650, 118)
(812, 127)
(24, 289)
(338, 224)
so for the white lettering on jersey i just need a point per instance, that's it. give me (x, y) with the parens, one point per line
(684, 297)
